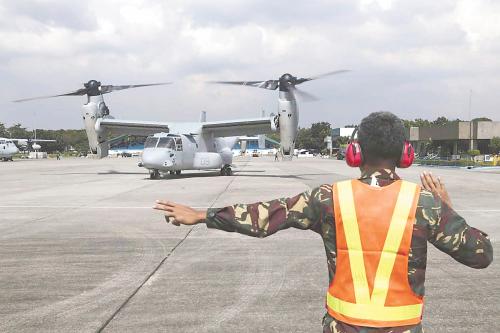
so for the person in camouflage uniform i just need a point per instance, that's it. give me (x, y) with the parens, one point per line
(436, 221)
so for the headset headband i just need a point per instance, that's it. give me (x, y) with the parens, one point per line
(354, 133)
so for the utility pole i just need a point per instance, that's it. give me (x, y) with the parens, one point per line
(470, 122)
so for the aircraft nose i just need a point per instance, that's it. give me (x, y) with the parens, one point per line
(154, 159)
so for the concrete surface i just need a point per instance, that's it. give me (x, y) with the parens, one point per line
(82, 250)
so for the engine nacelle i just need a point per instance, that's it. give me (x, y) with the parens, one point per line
(288, 120)
(92, 112)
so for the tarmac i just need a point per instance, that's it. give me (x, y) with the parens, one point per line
(82, 250)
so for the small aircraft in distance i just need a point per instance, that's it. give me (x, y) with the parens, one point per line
(8, 148)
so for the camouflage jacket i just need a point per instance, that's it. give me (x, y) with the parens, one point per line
(435, 222)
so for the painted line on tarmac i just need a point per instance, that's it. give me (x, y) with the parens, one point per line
(86, 207)
(478, 210)
(195, 207)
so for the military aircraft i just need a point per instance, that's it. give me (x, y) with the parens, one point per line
(176, 146)
(171, 146)
(8, 148)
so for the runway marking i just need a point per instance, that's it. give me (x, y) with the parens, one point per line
(86, 207)
(478, 210)
(486, 210)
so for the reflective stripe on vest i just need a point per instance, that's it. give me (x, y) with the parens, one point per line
(370, 309)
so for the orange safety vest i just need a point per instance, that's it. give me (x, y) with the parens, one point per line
(374, 227)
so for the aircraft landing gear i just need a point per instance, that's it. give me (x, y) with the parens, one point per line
(226, 170)
(154, 174)
(178, 172)
(171, 172)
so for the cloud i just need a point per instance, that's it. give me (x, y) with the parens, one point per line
(417, 59)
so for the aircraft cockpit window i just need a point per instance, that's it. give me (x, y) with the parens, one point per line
(178, 144)
(166, 142)
(2, 142)
(150, 142)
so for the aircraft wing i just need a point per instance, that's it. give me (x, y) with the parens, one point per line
(240, 127)
(33, 140)
(131, 127)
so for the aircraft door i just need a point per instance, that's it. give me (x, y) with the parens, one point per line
(190, 147)
(179, 154)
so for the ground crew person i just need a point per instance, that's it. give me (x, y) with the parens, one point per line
(375, 231)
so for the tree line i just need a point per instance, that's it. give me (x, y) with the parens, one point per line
(66, 139)
(311, 138)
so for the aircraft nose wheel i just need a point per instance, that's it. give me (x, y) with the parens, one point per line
(154, 174)
(226, 170)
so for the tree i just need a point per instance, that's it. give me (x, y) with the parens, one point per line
(440, 122)
(419, 122)
(18, 132)
(481, 119)
(304, 139)
(3, 131)
(318, 133)
(495, 145)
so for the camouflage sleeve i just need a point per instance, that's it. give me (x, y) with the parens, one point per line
(262, 219)
(449, 232)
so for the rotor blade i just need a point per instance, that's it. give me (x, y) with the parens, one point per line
(269, 84)
(79, 92)
(110, 88)
(340, 71)
(304, 96)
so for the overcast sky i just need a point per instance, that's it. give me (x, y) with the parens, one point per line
(414, 58)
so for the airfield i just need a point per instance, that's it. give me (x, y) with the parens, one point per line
(82, 250)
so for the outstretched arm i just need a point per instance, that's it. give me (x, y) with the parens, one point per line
(259, 219)
(448, 231)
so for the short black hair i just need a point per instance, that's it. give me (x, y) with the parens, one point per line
(381, 136)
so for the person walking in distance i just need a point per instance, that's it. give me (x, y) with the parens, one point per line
(374, 229)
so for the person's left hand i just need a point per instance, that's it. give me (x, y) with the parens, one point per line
(436, 186)
(179, 214)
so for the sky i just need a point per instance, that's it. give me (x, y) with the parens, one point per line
(417, 59)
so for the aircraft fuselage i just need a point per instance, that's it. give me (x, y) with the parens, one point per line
(7, 149)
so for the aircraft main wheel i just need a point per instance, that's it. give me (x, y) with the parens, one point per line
(226, 171)
(178, 172)
(154, 174)
(171, 172)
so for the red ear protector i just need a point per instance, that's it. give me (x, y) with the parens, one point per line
(407, 156)
(354, 156)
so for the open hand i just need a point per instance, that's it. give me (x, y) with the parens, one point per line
(436, 186)
(180, 214)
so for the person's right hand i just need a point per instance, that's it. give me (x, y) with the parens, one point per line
(179, 214)
(436, 186)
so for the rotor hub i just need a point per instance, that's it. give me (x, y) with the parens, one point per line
(93, 87)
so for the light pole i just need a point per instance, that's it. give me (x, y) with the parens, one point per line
(470, 122)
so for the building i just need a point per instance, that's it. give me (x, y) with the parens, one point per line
(342, 132)
(260, 142)
(456, 137)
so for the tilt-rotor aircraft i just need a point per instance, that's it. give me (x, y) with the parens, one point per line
(176, 146)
